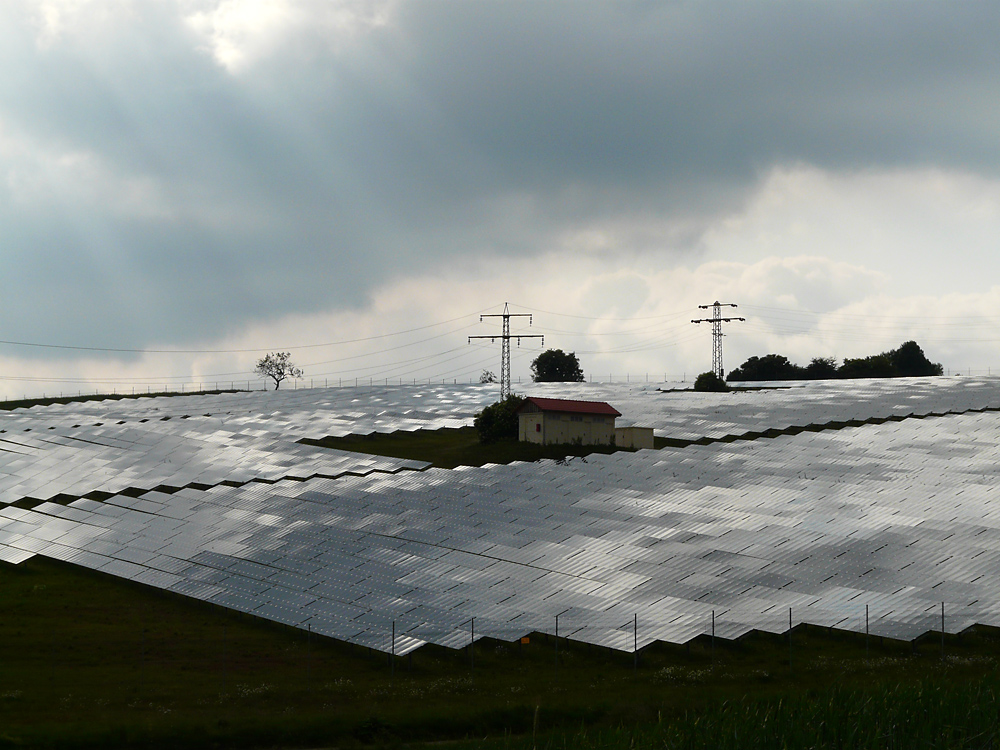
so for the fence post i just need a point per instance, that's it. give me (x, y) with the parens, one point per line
(557, 641)
(789, 639)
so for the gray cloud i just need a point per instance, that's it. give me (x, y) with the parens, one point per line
(319, 171)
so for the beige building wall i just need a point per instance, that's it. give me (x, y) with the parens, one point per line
(553, 428)
(634, 437)
(529, 428)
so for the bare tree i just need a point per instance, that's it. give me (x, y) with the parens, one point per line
(277, 366)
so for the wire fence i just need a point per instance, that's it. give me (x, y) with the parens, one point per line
(214, 386)
(195, 386)
(900, 621)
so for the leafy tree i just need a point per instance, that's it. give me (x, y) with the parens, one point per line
(909, 361)
(499, 420)
(556, 366)
(906, 361)
(710, 382)
(488, 376)
(278, 367)
(875, 366)
(821, 368)
(768, 367)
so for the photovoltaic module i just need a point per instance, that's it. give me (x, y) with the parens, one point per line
(213, 497)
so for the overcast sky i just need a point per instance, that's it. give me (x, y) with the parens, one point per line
(187, 178)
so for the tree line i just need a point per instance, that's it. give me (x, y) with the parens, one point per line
(908, 360)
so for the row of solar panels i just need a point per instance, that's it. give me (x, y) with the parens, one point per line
(76, 449)
(745, 530)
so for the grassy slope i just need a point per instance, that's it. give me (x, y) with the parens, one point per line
(451, 447)
(122, 664)
(30, 402)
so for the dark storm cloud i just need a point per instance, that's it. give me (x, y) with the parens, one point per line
(313, 174)
(684, 90)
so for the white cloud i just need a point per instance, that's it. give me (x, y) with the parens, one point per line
(54, 20)
(928, 231)
(237, 32)
(314, 174)
(234, 32)
(41, 177)
(621, 320)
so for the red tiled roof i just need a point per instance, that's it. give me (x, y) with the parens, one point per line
(574, 407)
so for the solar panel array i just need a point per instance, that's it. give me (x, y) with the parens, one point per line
(895, 516)
(686, 415)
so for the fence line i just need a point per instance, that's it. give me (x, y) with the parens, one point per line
(631, 635)
(203, 386)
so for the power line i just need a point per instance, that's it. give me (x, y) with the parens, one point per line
(602, 317)
(647, 345)
(390, 349)
(622, 332)
(228, 351)
(242, 374)
(866, 316)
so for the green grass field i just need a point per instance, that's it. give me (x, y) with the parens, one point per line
(88, 660)
(450, 447)
(27, 403)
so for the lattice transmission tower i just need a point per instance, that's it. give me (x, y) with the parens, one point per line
(717, 320)
(505, 338)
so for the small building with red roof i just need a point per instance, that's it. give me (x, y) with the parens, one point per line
(551, 421)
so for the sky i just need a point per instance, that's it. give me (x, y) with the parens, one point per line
(186, 185)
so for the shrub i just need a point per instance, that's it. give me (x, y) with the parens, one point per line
(498, 421)
(768, 367)
(711, 382)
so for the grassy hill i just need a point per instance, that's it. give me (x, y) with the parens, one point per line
(120, 664)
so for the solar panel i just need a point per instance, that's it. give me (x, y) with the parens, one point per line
(897, 516)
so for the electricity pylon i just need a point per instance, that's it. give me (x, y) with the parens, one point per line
(505, 338)
(717, 320)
